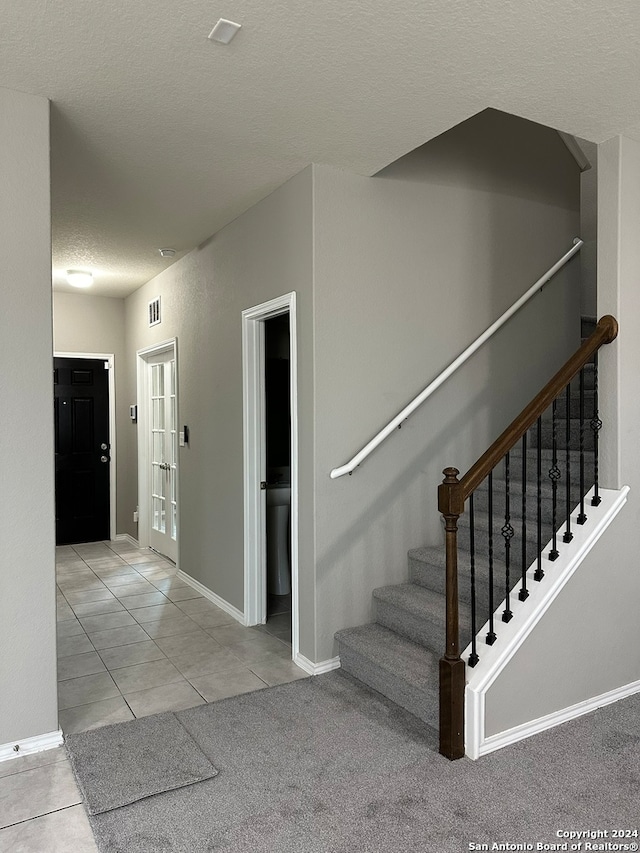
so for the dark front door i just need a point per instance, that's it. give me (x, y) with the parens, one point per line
(81, 412)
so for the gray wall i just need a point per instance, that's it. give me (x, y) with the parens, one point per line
(261, 255)
(27, 575)
(589, 641)
(85, 323)
(589, 230)
(382, 268)
(409, 268)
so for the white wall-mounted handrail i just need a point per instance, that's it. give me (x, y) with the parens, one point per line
(349, 467)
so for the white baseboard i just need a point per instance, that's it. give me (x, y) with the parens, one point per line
(125, 537)
(316, 668)
(534, 727)
(29, 745)
(206, 592)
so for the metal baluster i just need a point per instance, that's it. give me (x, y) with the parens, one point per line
(507, 533)
(568, 535)
(581, 517)
(524, 592)
(473, 657)
(554, 476)
(539, 573)
(596, 426)
(491, 636)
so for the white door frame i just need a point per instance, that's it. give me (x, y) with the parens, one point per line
(110, 358)
(144, 416)
(253, 406)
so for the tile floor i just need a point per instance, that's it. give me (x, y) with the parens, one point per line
(133, 640)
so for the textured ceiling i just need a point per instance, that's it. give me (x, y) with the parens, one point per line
(160, 137)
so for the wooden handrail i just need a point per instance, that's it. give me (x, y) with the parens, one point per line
(605, 332)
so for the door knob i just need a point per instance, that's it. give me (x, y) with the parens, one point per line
(104, 458)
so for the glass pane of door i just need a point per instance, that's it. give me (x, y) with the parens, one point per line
(163, 450)
(158, 439)
(172, 420)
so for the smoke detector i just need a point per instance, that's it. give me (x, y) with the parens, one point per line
(224, 31)
(167, 253)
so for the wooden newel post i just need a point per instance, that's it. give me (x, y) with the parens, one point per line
(452, 669)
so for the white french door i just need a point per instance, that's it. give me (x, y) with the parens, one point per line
(162, 454)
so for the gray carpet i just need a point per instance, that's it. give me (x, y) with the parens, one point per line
(325, 765)
(121, 764)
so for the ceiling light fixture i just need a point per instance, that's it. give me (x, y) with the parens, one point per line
(79, 278)
(167, 253)
(224, 31)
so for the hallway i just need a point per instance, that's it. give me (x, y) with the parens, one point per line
(135, 640)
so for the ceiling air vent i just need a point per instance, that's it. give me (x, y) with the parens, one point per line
(154, 312)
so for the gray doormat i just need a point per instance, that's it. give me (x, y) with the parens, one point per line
(324, 765)
(121, 764)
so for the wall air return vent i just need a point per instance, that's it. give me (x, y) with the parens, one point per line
(154, 312)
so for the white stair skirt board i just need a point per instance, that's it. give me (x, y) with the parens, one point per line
(29, 745)
(526, 615)
(125, 537)
(206, 592)
(316, 668)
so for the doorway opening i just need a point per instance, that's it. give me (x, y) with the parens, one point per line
(158, 510)
(278, 465)
(271, 466)
(85, 452)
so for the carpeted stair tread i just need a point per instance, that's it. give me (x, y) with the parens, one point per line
(428, 570)
(417, 613)
(401, 670)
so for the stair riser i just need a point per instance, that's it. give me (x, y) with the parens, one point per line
(515, 468)
(589, 379)
(481, 504)
(482, 538)
(574, 442)
(422, 703)
(429, 633)
(574, 405)
(433, 577)
(482, 549)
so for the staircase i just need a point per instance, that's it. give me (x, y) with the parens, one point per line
(398, 654)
